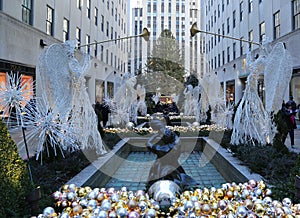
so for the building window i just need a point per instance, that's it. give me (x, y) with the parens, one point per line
(112, 9)
(49, 21)
(296, 14)
(228, 54)
(228, 25)
(241, 11)
(223, 57)
(101, 52)
(233, 19)
(276, 18)
(78, 35)
(27, 11)
(96, 49)
(96, 16)
(250, 39)
(262, 31)
(88, 8)
(223, 5)
(79, 4)
(250, 5)
(106, 56)
(107, 29)
(241, 47)
(233, 50)
(66, 29)
(87, 41)
(102, 23)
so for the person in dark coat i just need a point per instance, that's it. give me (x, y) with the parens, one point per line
(289, 117)
(105, 110)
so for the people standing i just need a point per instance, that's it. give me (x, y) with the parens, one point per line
(289, 115)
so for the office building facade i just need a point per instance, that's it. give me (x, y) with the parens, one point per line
(249, 20)
(29, 27)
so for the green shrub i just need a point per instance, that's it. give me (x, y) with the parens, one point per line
(14, 177)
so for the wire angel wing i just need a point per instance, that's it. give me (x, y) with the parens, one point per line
(278, 73)
(55, 77)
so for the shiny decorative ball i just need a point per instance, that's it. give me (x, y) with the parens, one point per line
(88, 189)
(71, 196)
(64, 203)
(287, 202)
(67, 210)
(151, 213)
(206, 208)
(130, 125)
(74, 203)
(112, 214)
(48, 211)
(81, 192)
(92, 204)
(85, 213)
(106, 205)
(124, 189)
(83, 202)
(133, 214)
(65, 188)
(241, 211)
(222, 205)
(143, 206)
(194, 198)
(252, 183)
(219, 194)
(100, 197)
(64, 215)
(259, 208)
(92, 195)
(267, 200)
(139, 193)
(115, 197)
(245, 193)
(122, 212)
(72, 187)
(268, 192)
(77, 210)
(57, 195)
(102, 214)
(188, 205)
(132, 204)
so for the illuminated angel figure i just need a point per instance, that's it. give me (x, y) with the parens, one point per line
(14, 96)
(252, 123)
(62, 77)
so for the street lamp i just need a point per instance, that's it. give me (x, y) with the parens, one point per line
(145, 34)
(194, 30)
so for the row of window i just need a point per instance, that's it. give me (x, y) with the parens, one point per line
(213, 19)
(27, 18)
(211, 3)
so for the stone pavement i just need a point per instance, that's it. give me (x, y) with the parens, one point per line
(297, 141)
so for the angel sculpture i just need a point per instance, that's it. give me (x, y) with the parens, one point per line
(252, 123)
(188, 99)
(63, 79)
(211, 97)
(277, 76)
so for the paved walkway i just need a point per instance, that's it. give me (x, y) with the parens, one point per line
(297, 141)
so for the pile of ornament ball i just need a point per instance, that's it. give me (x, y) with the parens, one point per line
(250, 199)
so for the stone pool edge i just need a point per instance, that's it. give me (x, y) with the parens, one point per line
(228, 166)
